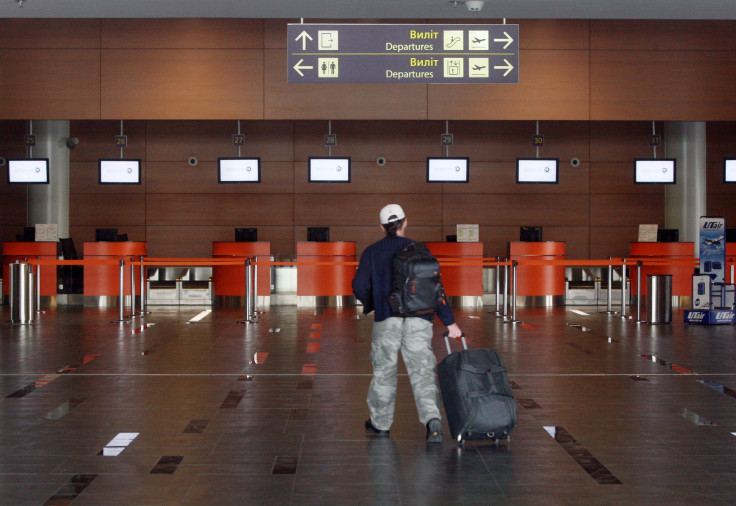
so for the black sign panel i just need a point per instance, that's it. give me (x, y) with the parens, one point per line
(365, 53)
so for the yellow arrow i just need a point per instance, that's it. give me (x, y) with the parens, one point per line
(299, 67)
(304, 36)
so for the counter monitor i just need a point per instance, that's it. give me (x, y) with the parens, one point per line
(729, 170)
(119, 171)
(329, 170)
(655, 171)
(447, 170)
(28, 170)
(537, 170)
(239, 170)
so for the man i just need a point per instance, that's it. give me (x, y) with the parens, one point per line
(411, 335)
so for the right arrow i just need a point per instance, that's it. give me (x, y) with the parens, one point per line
(508, 67)
(304, 36)
(299, 67)
(508, 40)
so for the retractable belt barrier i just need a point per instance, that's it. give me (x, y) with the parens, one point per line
(250, 263)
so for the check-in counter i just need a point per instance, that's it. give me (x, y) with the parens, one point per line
(325, 285)
(102, 282)
(463, 283)
(228, 281)
(21, 251)
(539, 285)
(682, 274)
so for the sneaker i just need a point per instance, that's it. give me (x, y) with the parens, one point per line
(434, 431)
(377, 432)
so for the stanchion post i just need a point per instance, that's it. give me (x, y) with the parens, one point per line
(132, 288)
(513, 320)
(121, 302)
(623, 289)
(505, 289)
(143, 289)
(38, 287)
(638, 291)
(498, 286)
(247, 318)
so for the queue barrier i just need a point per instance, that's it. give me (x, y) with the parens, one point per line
(252, 262)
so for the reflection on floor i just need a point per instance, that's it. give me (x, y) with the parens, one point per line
(167, 410)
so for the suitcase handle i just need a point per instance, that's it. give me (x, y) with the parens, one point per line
(447, 341)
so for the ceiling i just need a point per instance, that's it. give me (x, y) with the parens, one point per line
(311, 10)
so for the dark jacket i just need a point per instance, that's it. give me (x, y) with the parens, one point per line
(372, 283)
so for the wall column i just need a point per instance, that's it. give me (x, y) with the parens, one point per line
(49, 203)
(685, 202)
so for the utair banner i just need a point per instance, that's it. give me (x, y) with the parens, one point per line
(713, 247)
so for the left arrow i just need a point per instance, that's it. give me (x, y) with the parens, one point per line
(304, 36)
(508, 67)
(299, 67)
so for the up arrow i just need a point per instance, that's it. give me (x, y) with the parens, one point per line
(299, 67)
(304, 36)
(508, 67)
(508, 40)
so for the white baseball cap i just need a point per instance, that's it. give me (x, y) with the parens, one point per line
(391, 212)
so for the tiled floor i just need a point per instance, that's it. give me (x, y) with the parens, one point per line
(610, 412)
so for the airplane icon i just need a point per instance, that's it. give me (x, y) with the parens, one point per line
(713, 242)
(478, 67)
(476, 40)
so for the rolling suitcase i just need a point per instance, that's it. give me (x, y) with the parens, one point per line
(476, 393)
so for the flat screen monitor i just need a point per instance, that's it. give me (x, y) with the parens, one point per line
(246, 234)
(729, 170)
(655, 171)
(318, 234)
(28, 235)
(119, 171)
(668, 234)
(530, 234)
(730, 235)
(239, 170)
(329, 170)
(537, 170)
(447, 170)
(28, 170)
(106, 234)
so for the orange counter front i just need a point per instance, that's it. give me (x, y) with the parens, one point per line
(229, 280)
(682, 274)
(730, 253)
(325, 280)
(21, 251)
(460, 280)
(104, 280)
(539, 280)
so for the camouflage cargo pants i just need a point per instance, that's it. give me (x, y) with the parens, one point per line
(413, 337)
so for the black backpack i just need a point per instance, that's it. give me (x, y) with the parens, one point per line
(417, 287)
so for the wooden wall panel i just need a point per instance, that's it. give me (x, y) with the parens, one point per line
(554, 33)
(181, 178)
(360, 210)
(612, 241)
(218, 209)
(105, 210)
(50, 33)
(618, 178)
(189, 33)
(517, 210)
(616, 210)
(337, 101)
(86, 233)
(196, 241)
(662, 35)
(622, 141)
(662, 85)
(550, 87)
(209, 140)
(724, 205)
(50, 83)
(398, 141)
(97, 140)
(182, 84)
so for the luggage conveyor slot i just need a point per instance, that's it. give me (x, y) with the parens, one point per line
(179, 286)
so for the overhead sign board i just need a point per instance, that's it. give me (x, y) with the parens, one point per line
(394, 53)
